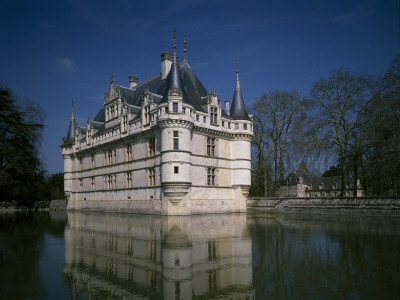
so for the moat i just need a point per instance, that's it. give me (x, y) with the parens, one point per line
(227, 256)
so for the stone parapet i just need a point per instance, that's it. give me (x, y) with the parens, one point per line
(360, 205)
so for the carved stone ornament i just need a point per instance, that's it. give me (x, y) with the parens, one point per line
(175, 92)
(106, 95)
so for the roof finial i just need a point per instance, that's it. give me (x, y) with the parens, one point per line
(237, 72)
(72, 115)
(184, 46)
(112, 79)
(174, 45)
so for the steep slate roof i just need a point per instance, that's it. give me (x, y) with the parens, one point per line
(174, 82)
(300, 173)
(194, 93)
(329, 182)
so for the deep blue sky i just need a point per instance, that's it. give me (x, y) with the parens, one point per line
(51, 51)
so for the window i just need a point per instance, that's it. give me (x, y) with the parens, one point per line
(92, 185)
(81, 185)
(105, 157)
(210, 146)
(92, 161)
(152, 146)
(176, 140)
(223, 123)
(174, 107)
(177, 290)
(128, 179)
(321, 186)
(334, 186)
(204, 119)
(176, 170)
(115, 156)
(80, 164)
(214, 115)
(105, 182)
(152, 177)
(110, 157)
(124, 123)
(197, 118)
(166, 110)
(128, 149)
(236, 126)
(212, 253)
(245, 126)
(229, 125)
(211, 176)
(115, 181)
(109, 181)
(184, 110)
(147, 115)
(212, 280)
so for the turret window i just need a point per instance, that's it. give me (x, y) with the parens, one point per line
(174, 107)
(176, 140)
(176, 170)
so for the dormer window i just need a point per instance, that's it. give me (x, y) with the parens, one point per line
(245, 126)
(147, 115)
(124, 123)
(184, 110)
(321, 186)
(334, 185)
(175, 107)
(214, 115)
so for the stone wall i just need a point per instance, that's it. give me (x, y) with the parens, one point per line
(379, 205)
(58, 205)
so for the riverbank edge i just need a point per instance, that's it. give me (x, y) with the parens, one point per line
(53, 205)
(380, 206)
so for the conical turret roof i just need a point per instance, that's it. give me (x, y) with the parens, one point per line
(238, 109)
(174, 80)
(72, 128)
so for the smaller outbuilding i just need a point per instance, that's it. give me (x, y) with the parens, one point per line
(300, 184)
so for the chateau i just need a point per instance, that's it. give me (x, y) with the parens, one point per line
(162, 146)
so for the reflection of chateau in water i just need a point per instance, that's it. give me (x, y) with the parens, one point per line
(147, 257)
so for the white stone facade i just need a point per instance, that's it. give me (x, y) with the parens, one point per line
(163, 157)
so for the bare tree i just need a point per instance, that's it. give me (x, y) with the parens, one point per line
(276, 122)
(340, 102)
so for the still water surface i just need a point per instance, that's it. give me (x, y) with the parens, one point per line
(233, 256)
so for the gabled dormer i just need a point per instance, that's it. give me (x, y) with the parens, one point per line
(112, 102)
(214, 108)
(148, 105)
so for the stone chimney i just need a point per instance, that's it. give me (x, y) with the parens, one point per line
(227, 110)
(133, 81)
(166, 62)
